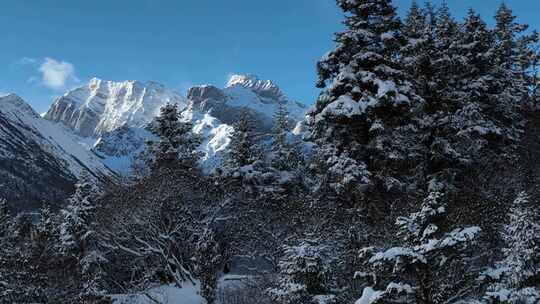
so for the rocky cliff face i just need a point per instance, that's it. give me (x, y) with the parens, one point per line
(39, 161)
(103, 106)
(245, 93)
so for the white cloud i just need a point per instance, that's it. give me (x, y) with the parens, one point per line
(55, 74)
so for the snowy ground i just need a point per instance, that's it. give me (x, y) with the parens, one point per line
(188, 294)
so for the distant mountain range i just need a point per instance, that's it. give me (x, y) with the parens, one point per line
(99, 128)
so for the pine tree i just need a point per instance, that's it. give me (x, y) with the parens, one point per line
(475, 44)
(46, 234)
(208, 262)
(77, 220)
(428, 267)
(418, 47)
(303, 275)
(177, 142)
(467, 120)
(46, 227)
(285, 155)
(520, 268)
(419, 55)
(514, 55)
(440, 35)
(430, 13)
(522, 239)
(415, 24)
(244, 149)
(279, 130)
(78, 239)
(364, 115)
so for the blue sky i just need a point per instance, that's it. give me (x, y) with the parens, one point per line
(47, 47)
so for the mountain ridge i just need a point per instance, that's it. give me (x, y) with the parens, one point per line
(39, 160)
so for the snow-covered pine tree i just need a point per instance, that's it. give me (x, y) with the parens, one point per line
(78, 239)
(303, 275)
(485, 123)
(22, 264)
(177, 142)
(22, 227)
(77, 220)
(244, 148)
(416, 22)
(438, 72)
(208, 264)
(519, 279)
(435, 88)
(514, 56)
(285, 156)
(419, 57)
(418, 49)
(363, 118)
(279, 130)
(475, 44)
(430, 13)
(45, 238)
(429, 265)
(497, 120)
(279, 138)
(467, 120)
(47, 227)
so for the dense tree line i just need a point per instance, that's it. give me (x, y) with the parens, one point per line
(420, 187)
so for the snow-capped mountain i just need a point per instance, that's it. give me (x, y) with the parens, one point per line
(104, 106)
(39, 160)
(260, 98)
(112, 117)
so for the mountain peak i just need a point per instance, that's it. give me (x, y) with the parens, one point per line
(14, 104)
(265, 88)
(246, 80)
(94, 81)
(12, 98)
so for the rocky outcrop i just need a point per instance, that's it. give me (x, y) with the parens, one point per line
(103, 106)
(244, 93)
(80, 119)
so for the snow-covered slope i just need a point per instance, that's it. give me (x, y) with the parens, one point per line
(103, 106)
(215, 135)
(40, 160)
(166, 294)
(248, 93)
(120, 147)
